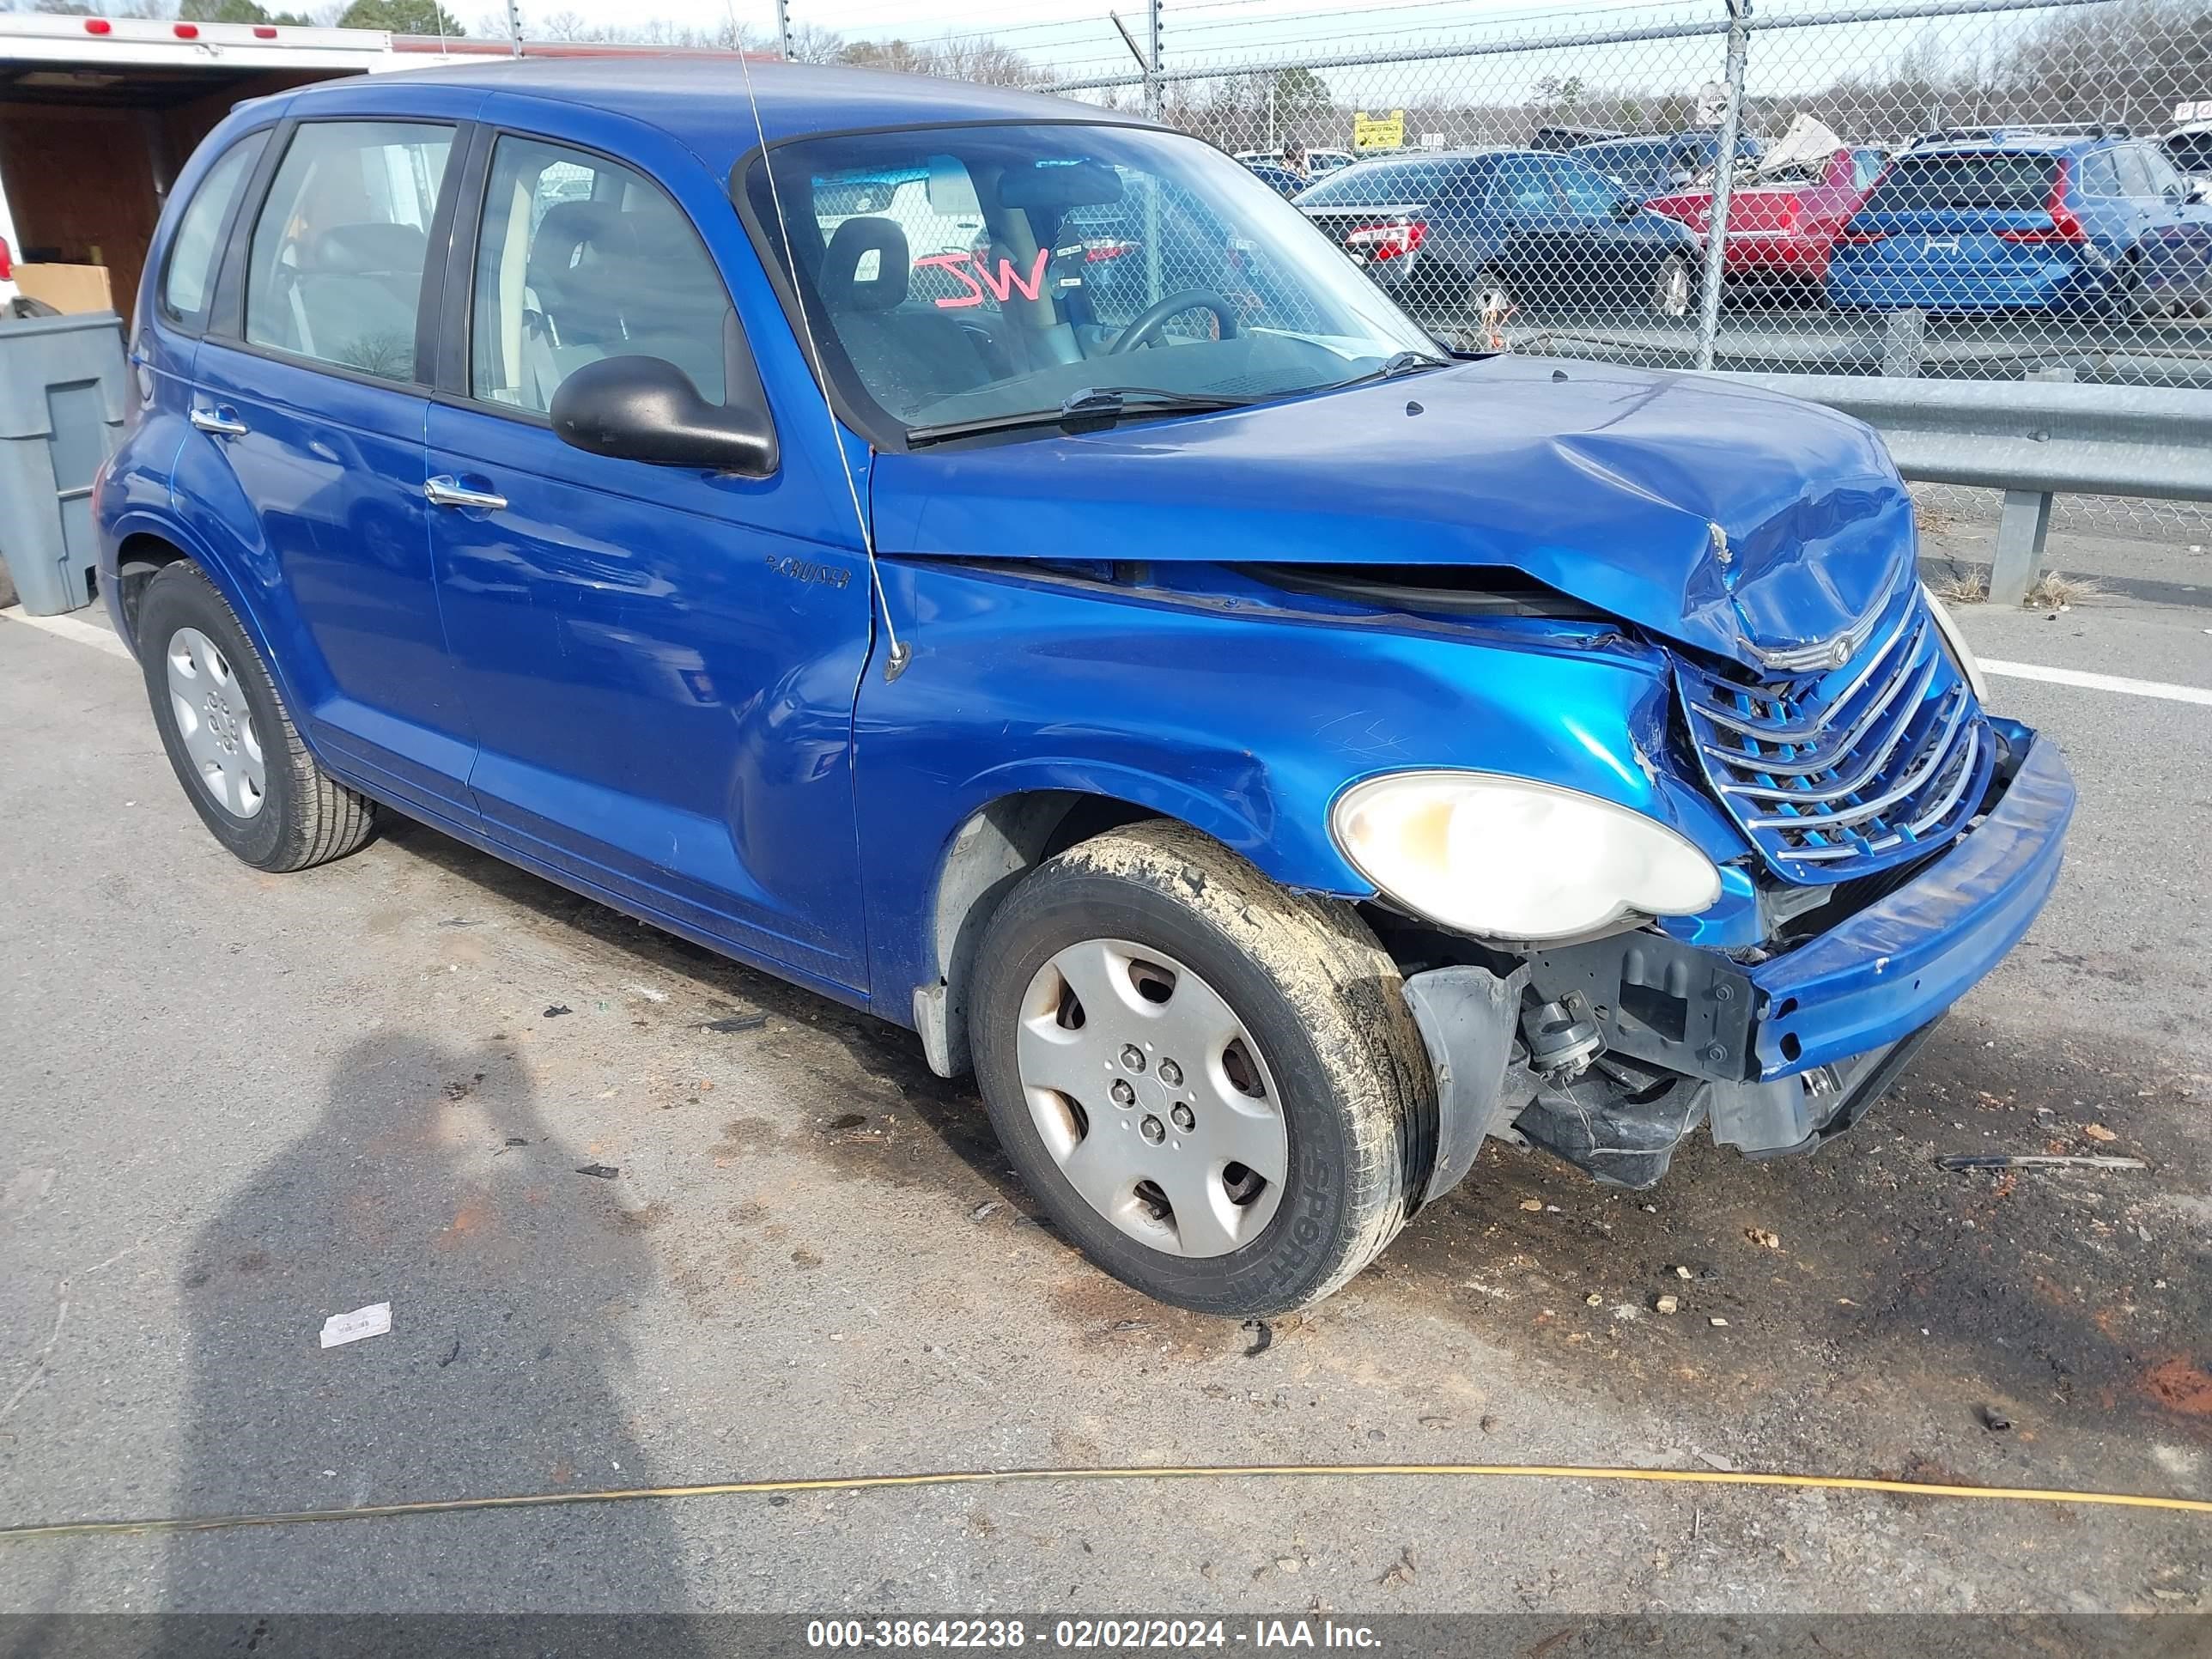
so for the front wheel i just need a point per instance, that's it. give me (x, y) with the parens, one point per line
(1212, 1085)
(1491, 297)
(1672, 288)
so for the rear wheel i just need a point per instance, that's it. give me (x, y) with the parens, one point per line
(2139, 301)
(233, 745)
(1212, 1085)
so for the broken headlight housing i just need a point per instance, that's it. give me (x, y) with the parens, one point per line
(1507, 859)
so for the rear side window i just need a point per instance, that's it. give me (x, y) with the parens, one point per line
(2010, 181)
(335, 270)
(579, 259)
(2163, 176)
(190, 272)
(2158, 176)
(2134, 175)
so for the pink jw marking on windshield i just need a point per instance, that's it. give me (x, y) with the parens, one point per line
(1001, 285)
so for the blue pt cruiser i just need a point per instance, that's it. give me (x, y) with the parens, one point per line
(992, 562)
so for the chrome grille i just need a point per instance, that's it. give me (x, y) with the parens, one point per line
(1840, 775)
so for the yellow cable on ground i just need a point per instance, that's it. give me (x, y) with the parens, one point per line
(1009, 1477)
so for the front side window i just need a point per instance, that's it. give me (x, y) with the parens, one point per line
(958, 275)
(579, 258)
(190, 270)
(1520, 188)
(1589, 195)
(335, 270)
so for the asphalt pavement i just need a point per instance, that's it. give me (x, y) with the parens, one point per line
(235, 1104)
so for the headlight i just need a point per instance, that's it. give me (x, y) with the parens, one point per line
(1961, 653)
(1507, 859)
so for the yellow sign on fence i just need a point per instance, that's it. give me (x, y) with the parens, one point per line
(1379, 131)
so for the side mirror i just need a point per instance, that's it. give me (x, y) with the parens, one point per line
(646, 409)
(2200, 190)
(1626, 208)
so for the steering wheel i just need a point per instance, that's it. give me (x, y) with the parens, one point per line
(1147, 326)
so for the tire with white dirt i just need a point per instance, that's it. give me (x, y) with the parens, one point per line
(1210, 1083)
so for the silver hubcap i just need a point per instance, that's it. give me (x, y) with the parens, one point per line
(1152, 1098)
(1675, 289)
(216, 724)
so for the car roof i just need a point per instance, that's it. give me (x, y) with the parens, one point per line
(700, 100)
(1444, 155)
(2023, 142)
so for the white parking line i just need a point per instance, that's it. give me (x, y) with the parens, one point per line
(2029, 670)
(70, 628)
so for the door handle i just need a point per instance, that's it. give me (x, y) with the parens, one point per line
(448, 492)
(221, 422)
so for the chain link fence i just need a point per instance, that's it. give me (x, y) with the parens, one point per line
(1919, 187)
(1960, 188)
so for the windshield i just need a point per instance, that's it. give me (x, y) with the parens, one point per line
(955, 275)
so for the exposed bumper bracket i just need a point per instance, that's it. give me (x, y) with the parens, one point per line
(1657, 999)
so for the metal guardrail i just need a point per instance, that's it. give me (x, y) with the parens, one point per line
(2032, 439)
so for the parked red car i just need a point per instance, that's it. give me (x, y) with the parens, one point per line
(1782, 228)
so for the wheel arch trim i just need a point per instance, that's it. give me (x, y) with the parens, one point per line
(1012, 831)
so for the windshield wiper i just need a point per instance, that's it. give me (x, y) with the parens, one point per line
(1090, 403)
(1397, 363)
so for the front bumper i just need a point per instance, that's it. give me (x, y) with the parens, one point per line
(1884, 972)
(1902, 961)
(1780, 1056)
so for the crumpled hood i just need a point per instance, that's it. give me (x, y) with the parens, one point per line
(1601, 482)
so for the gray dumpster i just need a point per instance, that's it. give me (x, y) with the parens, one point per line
(64, 391)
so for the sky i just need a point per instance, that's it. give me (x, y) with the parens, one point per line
(1076, 39)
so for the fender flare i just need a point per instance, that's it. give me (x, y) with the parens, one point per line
(172, 529)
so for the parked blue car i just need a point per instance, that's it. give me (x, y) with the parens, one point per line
(1459, 236)
(1271, 756)
(1989, 220)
